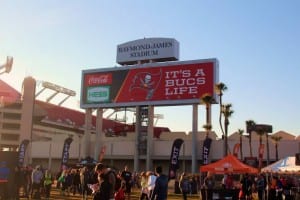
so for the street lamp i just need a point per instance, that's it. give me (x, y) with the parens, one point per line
(6, 68)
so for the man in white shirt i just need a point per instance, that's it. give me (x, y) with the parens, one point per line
(36, 177)
(151, 182)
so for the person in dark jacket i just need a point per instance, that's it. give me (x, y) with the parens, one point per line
(160, 191)
(107, 183)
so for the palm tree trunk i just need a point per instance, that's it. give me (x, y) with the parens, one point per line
(268, 149)
(250, 145)
(241, 147)
(208, 114)
(276, 151)
(225, 137)
(220, 116)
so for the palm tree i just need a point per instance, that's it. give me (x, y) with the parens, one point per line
(249, 128)
(240, 132)
(227, 112)
(207, 99)
(220, 88)
(276, 140)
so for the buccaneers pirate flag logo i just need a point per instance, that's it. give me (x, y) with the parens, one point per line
(146, 82)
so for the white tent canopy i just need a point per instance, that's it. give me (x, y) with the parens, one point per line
(285, 165)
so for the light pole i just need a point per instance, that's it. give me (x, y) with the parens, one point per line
(6, 68)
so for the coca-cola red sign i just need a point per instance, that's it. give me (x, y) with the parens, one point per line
(98, 79)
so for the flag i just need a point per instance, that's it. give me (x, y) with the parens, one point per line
(65, 152)
(236, 149)
(261, 150)
(22, 151)
(206, 149)
(102, 152)
(174, 164)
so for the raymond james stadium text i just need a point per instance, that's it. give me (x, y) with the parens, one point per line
(144, 49)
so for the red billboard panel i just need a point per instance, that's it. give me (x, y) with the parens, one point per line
(169, 83)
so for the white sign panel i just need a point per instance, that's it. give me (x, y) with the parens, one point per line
(155, 49)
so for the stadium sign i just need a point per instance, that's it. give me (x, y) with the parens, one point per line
(155, 49)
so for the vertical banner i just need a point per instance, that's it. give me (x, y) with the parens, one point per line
(174, 164)
(260, 155)
(65, 153)
(102, 152)
(261, 151)
(22, 151)
(206, 149)
(236, 149)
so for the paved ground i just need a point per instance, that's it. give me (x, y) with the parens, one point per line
(55, 195)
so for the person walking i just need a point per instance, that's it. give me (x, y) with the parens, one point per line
(151, 182)
(127, 177)
(107, 182)
(184, 185)
(36, 177)
(209, 184)
(144, 186)
(48, 180)
(160, 191)
(260, 186)
(85, 180)
(76, 186)
(247, 186)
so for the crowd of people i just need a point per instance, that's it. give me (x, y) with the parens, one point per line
(244, 187)
(99, 182)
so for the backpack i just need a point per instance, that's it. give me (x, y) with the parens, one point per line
(117, 180)
(185, 185)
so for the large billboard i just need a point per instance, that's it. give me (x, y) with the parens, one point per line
(167, 83)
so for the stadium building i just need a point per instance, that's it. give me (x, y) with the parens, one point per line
(47, 126)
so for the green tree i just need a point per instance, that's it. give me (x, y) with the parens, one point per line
(240, 132)
(276, 140)
(207, 128)
(219, 89)
(249, 128)
(227, 112)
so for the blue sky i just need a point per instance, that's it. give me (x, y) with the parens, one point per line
(256, 42)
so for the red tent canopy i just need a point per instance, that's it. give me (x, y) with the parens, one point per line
(229, 164)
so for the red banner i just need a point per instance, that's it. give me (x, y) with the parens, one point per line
(236, 149)
(102, 152)
(261, 150)
(260, 154)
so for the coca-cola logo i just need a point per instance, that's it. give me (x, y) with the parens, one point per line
(98, 79)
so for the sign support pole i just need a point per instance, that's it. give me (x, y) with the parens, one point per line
(194, 137)
(137, 136)
(150, 137)
(87, 132)
(99, 134)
